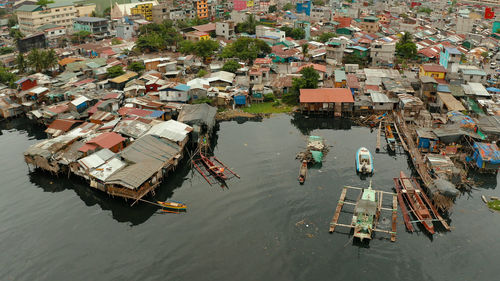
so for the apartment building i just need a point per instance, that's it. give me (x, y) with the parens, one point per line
(201, 8)
(32, 17)
(144, 9)
(369, 24)
(382, 53)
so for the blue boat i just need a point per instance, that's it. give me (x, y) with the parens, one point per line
(364, 161)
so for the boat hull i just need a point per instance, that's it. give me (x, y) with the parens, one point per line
(364, 161)
(416, 203)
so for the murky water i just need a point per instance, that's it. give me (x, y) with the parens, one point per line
(265, 226)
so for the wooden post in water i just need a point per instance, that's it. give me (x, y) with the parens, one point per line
(340, 204)
(377, 149)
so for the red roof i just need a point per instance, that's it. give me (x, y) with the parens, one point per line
(317, 67)
(433, 68)
(93, 109)
(326, 95)
(205, 27)
(111, 96)
(263, 61)
(352, 81)
(58, 108)
(124, 110)
(62, 124)
(86, 147)
(107, 140)
(82, 82)
(139, 112)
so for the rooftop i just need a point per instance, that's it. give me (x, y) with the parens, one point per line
(329, 95)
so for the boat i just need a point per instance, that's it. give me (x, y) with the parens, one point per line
(416, 204)
(364, 161)
(172, 205)
(303, 172)
(216, 170)
(391, 140)
(363, 220)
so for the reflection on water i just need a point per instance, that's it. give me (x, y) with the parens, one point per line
(306, 124)
(33, 129)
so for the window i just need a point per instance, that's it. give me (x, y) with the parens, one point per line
(57, 10)
(65, 9)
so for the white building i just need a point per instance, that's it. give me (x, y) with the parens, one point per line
(381, 52)
(269, 32)
(224, 29)
(464, 25)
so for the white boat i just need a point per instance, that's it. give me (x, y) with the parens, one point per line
(364, 161)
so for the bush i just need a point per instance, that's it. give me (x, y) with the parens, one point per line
(269, 97)
(202, 73)
(290, 99)
(276, 103)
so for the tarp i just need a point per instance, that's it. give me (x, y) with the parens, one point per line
(317, 156)
(445, 187)
(486, 153)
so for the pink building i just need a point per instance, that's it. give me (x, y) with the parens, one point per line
(240, 5)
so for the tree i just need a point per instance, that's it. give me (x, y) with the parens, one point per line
(272, 9)
(107, 12)
(155, 37)
(231, 66)
(318, 2)
(16, 34)
(309, 80)
(21, 63)
(288, 7)
(354, 59)
(186, 47)
(325, 37)
(295, 33)
(36, 60)
(115, 71)
(7, 77)
(80, 36)
(205, 48)
(44, 2)
(116, 41)
(201, 73)
(6, 50)
(246, 49)
(248, 26)
(305, 50)
(136, 66)
(405, 48)
(49, 58)
(12, 21)
(426, 10)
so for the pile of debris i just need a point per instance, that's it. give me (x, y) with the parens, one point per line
(316, 149)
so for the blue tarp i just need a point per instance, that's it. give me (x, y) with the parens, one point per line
(493, 89)
(486, 153)
(156, 114)
(240, 100)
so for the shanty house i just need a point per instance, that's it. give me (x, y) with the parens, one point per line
(25, 83)
(337, 101)
(433, 70)
(426, 140)
(109, 140)
(381, 102)
(120, 81)
(486, 156)
(179, 93)
(447, 103)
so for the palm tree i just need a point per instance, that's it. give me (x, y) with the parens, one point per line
(36, 60)
(305, 50)
(21, 63)
(49, 59)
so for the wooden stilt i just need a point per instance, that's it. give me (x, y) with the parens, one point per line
(394, 217)
(434, 210)
(377, 149)
(340, 204)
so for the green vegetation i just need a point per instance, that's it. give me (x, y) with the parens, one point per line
(494, 204)
(12, 21)
(272, 9)
(116, 41)
(42, 60)
(203, 100)
(318, 2)
(295, 33)
(246, 49)
(115, 71)
(355, 59)
(231, 66)
(157, 37)
(136, 66)
(181, 24)
(309, 80)
(44, 2)
(405, 48)
(16, 34)
(80, 36)
(426, 10)
(288, 7)
(7, 77)
(202, 48)
(248, 26)
(21, 63)
(267, 107)
(305, 50)
(6, 50)
(201, 73)
(324, 37)
(269, 97)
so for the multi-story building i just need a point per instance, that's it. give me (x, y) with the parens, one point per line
(52, 31)
(263, 32)
(120, 10)
(369, 24)
(32, 17)
(90, 24)
(201, 8)
(225, 29)
(144, 9)
(335, 50)
(124, 30)
(464, 25)
(382, 52)
(84, 10)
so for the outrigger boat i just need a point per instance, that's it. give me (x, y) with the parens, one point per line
(364, 216)
(391, 140)
(415, 202)
(364, 161)
(212, 168)
(173, 205)
(303, 172)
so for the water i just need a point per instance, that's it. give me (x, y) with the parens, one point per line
(265, 226)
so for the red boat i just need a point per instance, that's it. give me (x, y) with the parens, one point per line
(416, 203)
(217, 171)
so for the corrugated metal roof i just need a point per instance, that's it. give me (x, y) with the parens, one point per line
(379, 97)
(134, 175)
(150, 147)
(171, 130)
(97, 159)
(107, 169)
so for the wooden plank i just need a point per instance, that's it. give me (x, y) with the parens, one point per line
(377, 149)
(403, 143)
(344, 225)
(406, 217)
(434, 210)
(336, 216)
(394, 217)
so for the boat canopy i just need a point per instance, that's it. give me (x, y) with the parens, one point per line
(366, 207)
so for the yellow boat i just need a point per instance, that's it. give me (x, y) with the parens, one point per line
(173, 205)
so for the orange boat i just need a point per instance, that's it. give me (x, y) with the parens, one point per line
(416, 203)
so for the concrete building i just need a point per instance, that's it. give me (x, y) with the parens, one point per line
(91, 24)
(224, 29)
(144, 10)
(120, 10)
(464, 25)
(382, 53)
(262, 31)
(335, 50)
(124, 31)
(32, 17)
(52, 31)
(369, 24)
(201, 8)
(84, 10)
(34, 41)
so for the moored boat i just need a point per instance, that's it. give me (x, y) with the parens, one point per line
(416, 204)
(364, 161)
(303, 172)
(391, 140)
(365, 212)
(172, 205)
(216, 170)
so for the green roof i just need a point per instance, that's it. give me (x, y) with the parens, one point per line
(48, 26)
(59, 4)
(371, 18)
(29, 8)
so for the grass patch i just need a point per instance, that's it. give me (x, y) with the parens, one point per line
(494, 204)
(267, 107)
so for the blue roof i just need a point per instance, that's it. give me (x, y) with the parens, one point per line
(359, 48)
(156, 113)
(493, 89)
(22, 80)
(182, 87)
(474, 72)
(453, 51)
(443, 88)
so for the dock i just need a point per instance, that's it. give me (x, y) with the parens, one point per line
(340, 204)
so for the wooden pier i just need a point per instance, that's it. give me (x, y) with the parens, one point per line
(379, 199)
